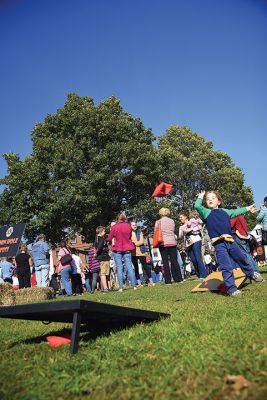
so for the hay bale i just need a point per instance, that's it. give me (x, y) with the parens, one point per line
(5, 287)
(11, 297)
(7, 295)
(34, 294)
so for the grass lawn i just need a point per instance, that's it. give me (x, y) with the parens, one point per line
(186, 356)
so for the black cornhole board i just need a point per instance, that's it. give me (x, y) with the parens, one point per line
(78, 312)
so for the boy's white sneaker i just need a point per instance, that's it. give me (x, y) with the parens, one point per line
(257, 277)
(236, 293)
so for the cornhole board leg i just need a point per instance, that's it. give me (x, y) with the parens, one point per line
(75, 333)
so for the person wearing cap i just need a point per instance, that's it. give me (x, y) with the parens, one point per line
(40, 255)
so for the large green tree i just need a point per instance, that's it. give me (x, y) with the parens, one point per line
(88, 163)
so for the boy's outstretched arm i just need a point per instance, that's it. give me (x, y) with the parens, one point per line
(203, 211)
(241, 211)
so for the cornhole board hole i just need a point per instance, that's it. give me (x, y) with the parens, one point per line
(79, 312)
(215, 279)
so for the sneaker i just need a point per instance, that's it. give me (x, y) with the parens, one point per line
(139, 286)
(236, 293)
(120, 290)
(151, 284)
(257, 277)
(105, 291)
(134, 288)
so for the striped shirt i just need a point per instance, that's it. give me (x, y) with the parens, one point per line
(94, 264)
(168, 227)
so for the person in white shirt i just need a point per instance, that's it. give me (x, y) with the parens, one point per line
(76, 278)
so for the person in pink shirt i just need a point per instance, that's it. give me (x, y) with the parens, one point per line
(122, 246)
(65, 270)
(168, 249)
(195, 223)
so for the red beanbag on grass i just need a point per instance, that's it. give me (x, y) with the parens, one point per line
(57, 341)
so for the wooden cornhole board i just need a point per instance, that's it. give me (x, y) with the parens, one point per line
(215, 279)
(79, 312)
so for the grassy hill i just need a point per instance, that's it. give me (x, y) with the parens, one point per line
(187, 356)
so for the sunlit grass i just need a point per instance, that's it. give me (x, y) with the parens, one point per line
(185, 356)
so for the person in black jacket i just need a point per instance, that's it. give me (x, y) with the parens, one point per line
(102, 255)
(23, 266)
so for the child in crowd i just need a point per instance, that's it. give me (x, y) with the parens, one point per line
(208, 262)
(157, 271)
(76, 278)
(218, 225)
(55, 282)
(195, 223)
(102, 255)
(94, 268)
(186, 261)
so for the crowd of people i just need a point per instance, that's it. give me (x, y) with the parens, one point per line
(122, 259)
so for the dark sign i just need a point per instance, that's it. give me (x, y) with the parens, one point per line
(10, 237)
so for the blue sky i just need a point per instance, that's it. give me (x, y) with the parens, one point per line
(200, 63)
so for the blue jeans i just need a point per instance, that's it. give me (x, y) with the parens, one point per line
(42, 275)
(224, 252)
(88, 283)
(181, 264)
(127, 257)
(194, 253)
(66, 279)
(245, 249)
(155, 277)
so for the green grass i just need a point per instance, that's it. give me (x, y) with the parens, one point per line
(186, 356)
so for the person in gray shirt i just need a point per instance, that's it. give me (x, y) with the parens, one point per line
(40, 255)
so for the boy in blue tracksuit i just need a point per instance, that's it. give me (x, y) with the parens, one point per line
(218, 225)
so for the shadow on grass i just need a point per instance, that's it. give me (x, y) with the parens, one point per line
(87, 332)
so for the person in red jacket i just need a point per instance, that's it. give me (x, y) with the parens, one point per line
(241, 236)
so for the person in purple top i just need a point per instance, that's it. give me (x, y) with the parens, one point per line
(122, 246)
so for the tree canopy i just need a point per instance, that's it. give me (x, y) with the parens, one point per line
(191, 164)
(90, 162)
